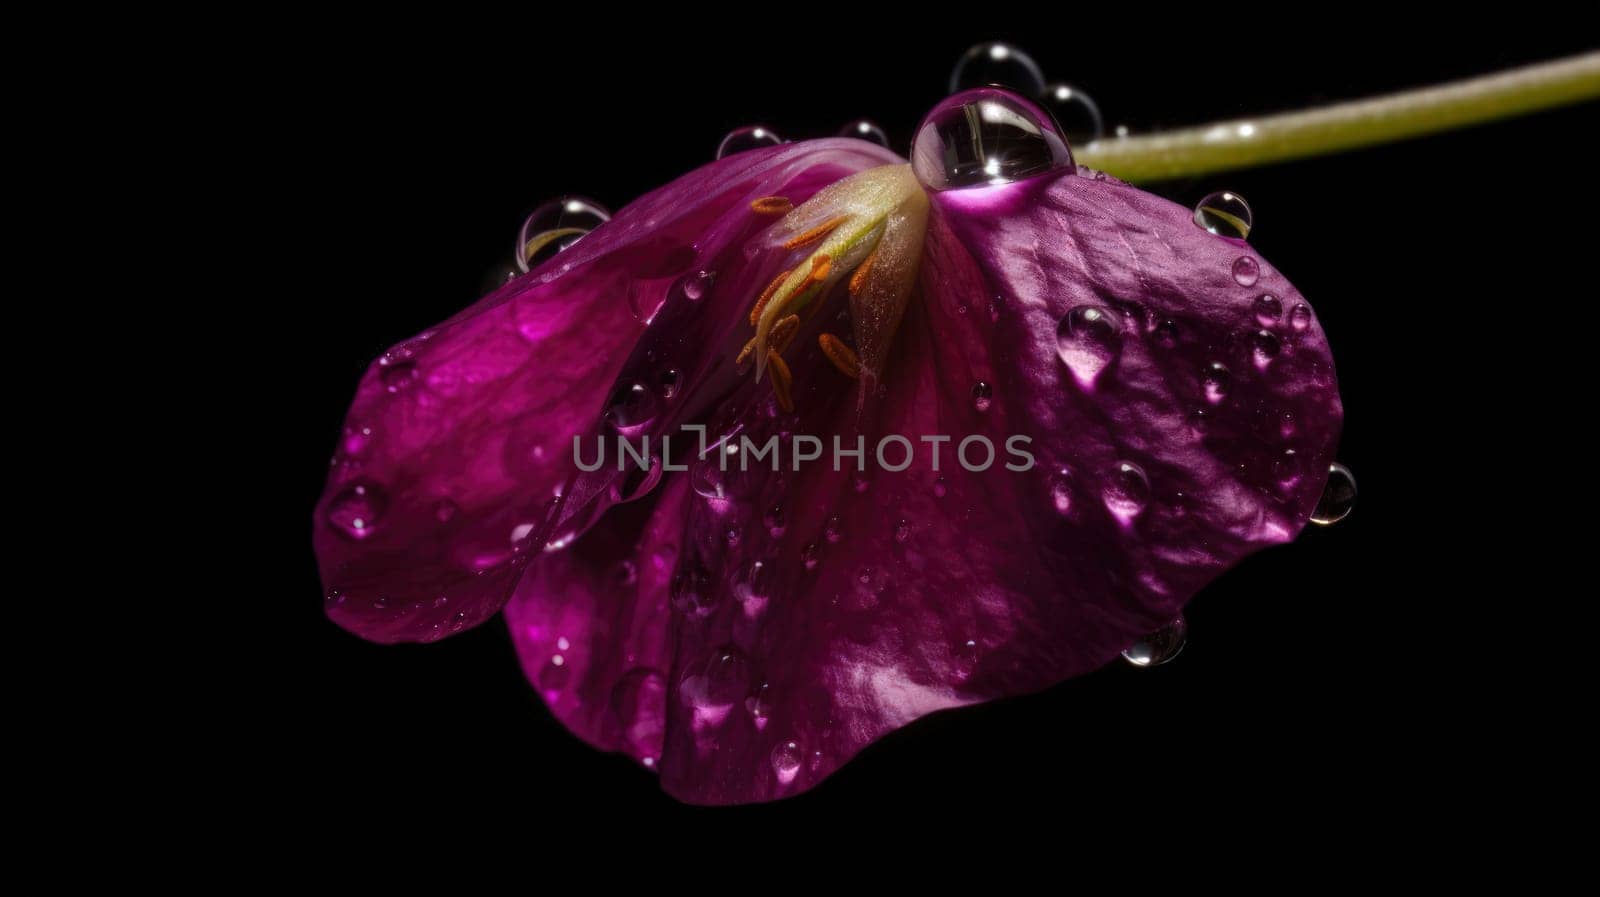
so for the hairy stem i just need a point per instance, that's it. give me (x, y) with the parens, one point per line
(1245, 142)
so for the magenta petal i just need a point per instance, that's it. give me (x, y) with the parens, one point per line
(813, 611)
(459, 439)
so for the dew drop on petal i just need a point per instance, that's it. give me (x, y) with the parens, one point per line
(398, 377)
(668, 381)
(747, 138)
(986, 137)
(631, 408)
(786, 760)
(357, 509)
(696, 284)
(862, 129)
(1246, 270)
(994, 62)
(1300, 317)
(1166, 334)
(1061, 491)
(982, 396)
(721, 679)
(833, 530)
(692, 592)
(1268, 309)
(939, 488)
(1088, 339)
(1217, 382)
(1160, 646)
(541, 235)
(902, 531)
(1126, 491)
(1338, 497)
(1264, 347)
(1076, 113)
(1224, 214)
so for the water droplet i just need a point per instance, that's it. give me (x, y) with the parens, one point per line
(1061, 491)
(1088, 339)
(1076, 113)
(721, 679)
(808, 556)
(1264, 347)
(631, 408)
(747, 138)
(1286, 426)
(1338, 497)
(696, 284)
(555, 226)
(939, 488)
(1224, 214)
(732, 535)
(862, 129)
(692, 592)
(639, 700)
(1300, 317)
(775, 521)
(1166, 334)
(1245, 271)
(709, 480)
(902, 531)
(1216, 383)
(627, 573)
(997, 63)
(669, 382)
(982, 396)
(1199, 422)
(759, 704)
(445, 510)
(1127, 491)
(1268, 309)
(357, 509)
(1160, 646)
(786, 760)
(554, 676)
(833, 530)
(984, 137)
(398, 377)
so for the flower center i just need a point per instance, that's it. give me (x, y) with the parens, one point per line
(868, 226)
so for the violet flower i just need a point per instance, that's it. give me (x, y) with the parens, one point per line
(745, 633)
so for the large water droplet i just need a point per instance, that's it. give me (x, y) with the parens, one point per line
(1246, 271)
(1338, 497)
(983, 137)
(997, 63)
(554, 226)
(1126, 491)
(1076, 113)
(1088, 339)
(397, 377)
(862, 129)
(1268, 309)
(747, 138)
(709, 480)
(982, 396)
(631, 408)
(1224, 214)
(357, 509)
(1216, 383)
(638, 481)
(1061, 491)
(1160, 646)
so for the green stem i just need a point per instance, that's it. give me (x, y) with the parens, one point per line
(1246, 142)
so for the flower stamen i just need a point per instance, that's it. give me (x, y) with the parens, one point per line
(862, 271)
(766, 295)
(782, 381)
(783, 333)
(815, 234)
(772, 205)
(841, 355)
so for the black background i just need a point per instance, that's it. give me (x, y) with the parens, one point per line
(1312, 676)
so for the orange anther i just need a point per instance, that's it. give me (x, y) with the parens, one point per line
(766, 294)
(840, 354)
(815, 234)
(783, 332)
(771, 205)
(862, 272)
(782, 381)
